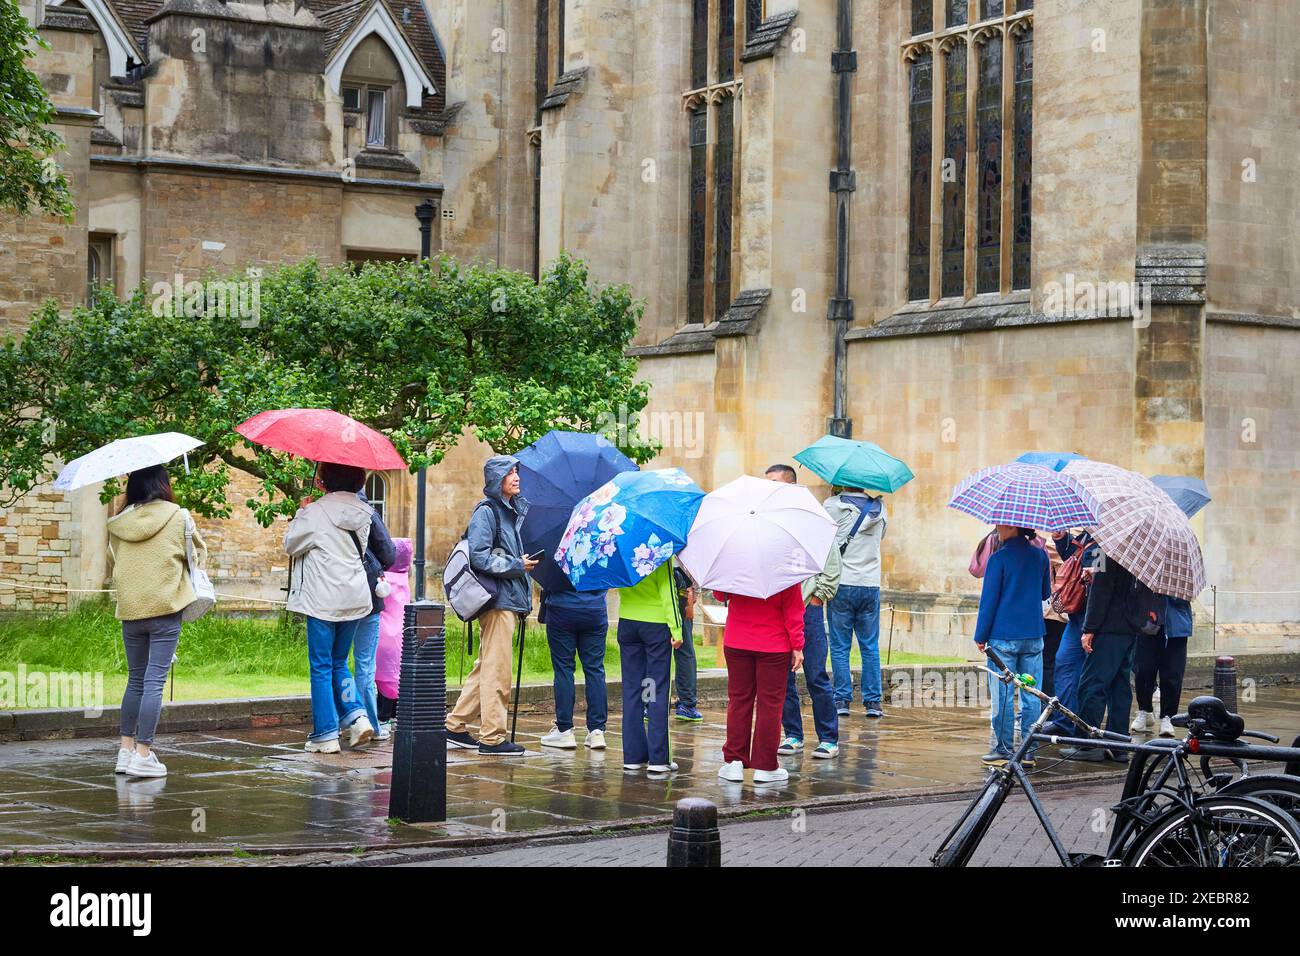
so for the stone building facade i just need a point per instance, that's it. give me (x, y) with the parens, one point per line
(960, 228)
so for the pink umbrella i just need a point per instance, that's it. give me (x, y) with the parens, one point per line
(319, 434)
(757, 537)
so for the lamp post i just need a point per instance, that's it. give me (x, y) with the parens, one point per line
(418, 793)
(424, 212)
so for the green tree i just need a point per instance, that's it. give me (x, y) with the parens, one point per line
(29, 176)
(420, 351)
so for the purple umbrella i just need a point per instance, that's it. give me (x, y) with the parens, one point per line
(1025, 496)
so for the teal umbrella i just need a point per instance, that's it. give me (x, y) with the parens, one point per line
(854, 464)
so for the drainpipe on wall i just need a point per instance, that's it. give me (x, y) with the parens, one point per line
(844, 63)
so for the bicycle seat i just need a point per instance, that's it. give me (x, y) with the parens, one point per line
(1217, 720)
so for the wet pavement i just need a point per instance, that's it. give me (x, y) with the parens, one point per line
(257, 790)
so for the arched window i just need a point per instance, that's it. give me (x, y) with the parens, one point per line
(377, 492)
(970, 79)
(373, 92)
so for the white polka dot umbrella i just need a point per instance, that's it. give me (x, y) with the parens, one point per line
(124, 456)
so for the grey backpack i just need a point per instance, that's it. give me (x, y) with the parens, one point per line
(468, 592)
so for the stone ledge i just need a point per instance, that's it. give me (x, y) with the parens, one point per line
(566, 85)
(1244, 318)
(983, 312)
(743, 315)
(767, 36)
(393, 162)
(1175, 274)
(689, 338)
(437, 125)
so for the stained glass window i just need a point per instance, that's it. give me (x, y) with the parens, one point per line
(991, 8)
(922, 16)
(956, 13)
(542, 76)
(953, 172)
(753, 16)
(921, 101)
(988, 184)
(726, 39)
(1021, 204)
(700, 44)
(722, 159)
(699, 206)
(559, 36)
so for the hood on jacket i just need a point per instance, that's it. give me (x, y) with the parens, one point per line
(874, 510)
(404, 551)
(495, 470)
(142, 522)
(344, 510)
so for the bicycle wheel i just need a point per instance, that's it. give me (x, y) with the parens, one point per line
(1281, 790)
(1220, 831)
(960, 846)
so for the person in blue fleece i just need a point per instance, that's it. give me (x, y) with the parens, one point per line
(1017, 580)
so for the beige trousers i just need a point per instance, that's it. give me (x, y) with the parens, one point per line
(487, 689)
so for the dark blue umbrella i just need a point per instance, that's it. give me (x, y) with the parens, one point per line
(1055, 460)
(555, 473)
(1190, 494)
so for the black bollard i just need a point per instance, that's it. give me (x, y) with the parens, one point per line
(695, 839)
(419, 787)
(1225, 682)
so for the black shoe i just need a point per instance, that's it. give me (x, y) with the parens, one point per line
(503, 749)
(874, 711)
(461, 740)
(1119, 756)
(1090, 754)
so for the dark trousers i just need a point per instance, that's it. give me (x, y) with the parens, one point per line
(1051, 644)
(1104, 683)
(1163, 657)
(684, 663)
(755, 694)
(575, 634)
(825, 720)
(646, 651)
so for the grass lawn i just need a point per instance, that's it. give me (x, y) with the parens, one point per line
(223, 657)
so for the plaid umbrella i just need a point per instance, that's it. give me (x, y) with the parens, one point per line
(1027, 496)
(1140, 527)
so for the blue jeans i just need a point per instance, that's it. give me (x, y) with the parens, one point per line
(855, 609)
(150, 644)
(363, 660)
(1069, 665)
(819, 685)
(573, 633)
(684, 664)
(645, 649)
(334, 697)
(1021, 657)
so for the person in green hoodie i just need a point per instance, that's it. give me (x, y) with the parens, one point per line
(649, 629)
(151, 577)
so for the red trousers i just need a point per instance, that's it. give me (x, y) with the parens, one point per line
(755, 695)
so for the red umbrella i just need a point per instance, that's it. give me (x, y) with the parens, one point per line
(319, 434)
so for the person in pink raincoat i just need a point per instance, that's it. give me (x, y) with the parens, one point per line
(389, 659)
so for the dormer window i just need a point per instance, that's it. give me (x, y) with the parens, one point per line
(376, 118)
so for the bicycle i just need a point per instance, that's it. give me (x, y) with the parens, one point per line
(1155, 826)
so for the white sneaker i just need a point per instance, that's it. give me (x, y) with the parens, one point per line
(383, 733)
(733, 771)
(595, 739)
(145, 766)
(323, 746)
(633, 766)
(779, 775)
(561, 739)
(662, 767)
(1142, 723)
(1166, 727)
(123, 759)
(360, 732)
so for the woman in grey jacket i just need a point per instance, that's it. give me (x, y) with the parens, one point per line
(327, 540)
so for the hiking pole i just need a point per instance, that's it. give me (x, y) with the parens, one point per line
(469, 636)
(519, 676)
(889, 648)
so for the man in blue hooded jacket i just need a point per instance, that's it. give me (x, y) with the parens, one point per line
(495, 550)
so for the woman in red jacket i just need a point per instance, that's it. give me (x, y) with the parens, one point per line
(763, 642)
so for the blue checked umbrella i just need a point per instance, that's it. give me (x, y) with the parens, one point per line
(1026, 496)
(1055, 460)
(627, 527)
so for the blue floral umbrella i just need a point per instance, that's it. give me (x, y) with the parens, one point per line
(627, 527)
(555, 473)
(1055, 460)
